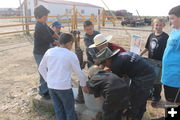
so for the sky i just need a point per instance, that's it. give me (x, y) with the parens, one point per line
(144, 7)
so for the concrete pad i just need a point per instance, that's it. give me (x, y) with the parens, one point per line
(93, 104)
(83, 112)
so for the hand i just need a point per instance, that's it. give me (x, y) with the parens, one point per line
(85, 89)
(102, 66)
(107, 69)
(84, 64)
(141, 54)
(99, 98)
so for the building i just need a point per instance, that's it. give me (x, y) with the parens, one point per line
(9, 12)
(123, 13)
(60, 7)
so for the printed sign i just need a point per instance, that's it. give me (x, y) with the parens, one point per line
(136, 44)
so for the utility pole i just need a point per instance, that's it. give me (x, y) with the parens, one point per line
(138, 14)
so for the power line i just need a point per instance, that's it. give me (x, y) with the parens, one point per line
(116, 18)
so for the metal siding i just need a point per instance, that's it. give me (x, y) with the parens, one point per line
(60, 9)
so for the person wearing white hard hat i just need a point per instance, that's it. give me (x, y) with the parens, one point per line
(90, 33)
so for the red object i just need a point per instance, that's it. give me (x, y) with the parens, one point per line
(113, 47)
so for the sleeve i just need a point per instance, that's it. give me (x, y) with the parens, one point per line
(86, 42)
(98, 32)
(116, 47)
(92, 52)
(89, 58)
(94, 87)
(122, 49)
(48, 36)
(51, 31)
(167, 37)
(148, 42)
(43, 68)
(76, 68)
(97, 94)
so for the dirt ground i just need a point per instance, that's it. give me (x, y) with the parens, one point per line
(19, 77)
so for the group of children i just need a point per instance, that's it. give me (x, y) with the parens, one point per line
(122, 79)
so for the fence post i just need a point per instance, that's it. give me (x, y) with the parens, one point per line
(93, 18)
(21, 14)
(26, 19)
(72, 23)
(74, 18)
(98, 20)
(103, 18)
(113, 21)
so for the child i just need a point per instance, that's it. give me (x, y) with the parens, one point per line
(171, 59)
(155, 46)
(43, 38)
(56, 68)
(56, 27)
(112, 89)
(90, 33)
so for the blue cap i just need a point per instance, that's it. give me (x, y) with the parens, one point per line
(57, 24)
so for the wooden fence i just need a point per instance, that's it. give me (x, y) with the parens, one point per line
(73, 19)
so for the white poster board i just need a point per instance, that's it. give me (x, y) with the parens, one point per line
(136, 44)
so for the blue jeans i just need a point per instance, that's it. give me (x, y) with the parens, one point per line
(63, 101)
(43, 89)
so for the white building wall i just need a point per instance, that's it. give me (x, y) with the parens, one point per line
(88, 10)
(60, 9)
(55, 9)
(30, 7)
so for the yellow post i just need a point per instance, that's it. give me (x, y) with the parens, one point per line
(93, 18)
(74, 18)
(113, 21)
(72, 22)
(103, 17)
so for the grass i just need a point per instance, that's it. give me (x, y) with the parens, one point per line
(46, 112)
